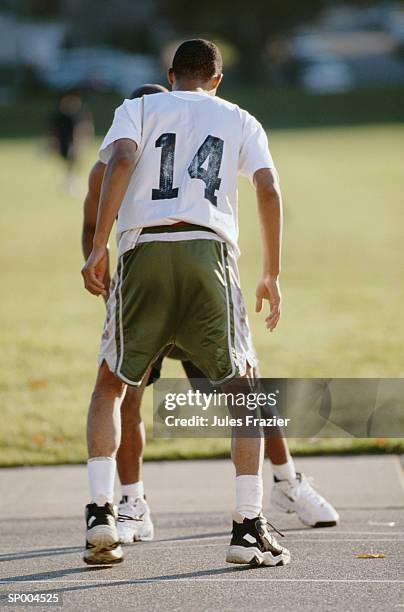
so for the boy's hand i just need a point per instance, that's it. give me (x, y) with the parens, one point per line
(94, 271)
(268, 289)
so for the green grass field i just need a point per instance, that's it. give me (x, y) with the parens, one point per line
(342, 285)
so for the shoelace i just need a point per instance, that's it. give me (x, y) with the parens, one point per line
(124, 517)
(274, 528)
(308, 486)
(131, 516)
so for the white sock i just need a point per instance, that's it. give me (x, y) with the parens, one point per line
(249, 492)
(285, 471)
(101, 476)
(134, 490)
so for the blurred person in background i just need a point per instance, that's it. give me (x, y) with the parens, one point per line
(70, 125)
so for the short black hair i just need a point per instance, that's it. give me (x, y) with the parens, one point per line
(145, 90)
(197, 59)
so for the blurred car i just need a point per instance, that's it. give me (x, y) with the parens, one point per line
(326, 75)
(99, 68)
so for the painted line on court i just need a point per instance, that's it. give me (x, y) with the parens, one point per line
(400, 472)
(197, 542)
(314, 536)
(168, 579)
(152, 549)
(19, 556)
(295, 541)
(366, 543)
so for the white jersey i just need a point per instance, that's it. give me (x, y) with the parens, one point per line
(191, 147)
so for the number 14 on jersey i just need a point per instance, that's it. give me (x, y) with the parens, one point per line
(211, 149)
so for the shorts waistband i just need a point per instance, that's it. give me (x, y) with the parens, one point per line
(182, 226)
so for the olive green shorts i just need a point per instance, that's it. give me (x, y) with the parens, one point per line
(174, 294)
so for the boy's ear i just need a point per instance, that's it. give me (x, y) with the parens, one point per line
(170, 76)
(216, 80)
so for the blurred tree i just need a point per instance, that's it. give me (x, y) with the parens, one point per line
(138, 39)
(40, 8)
(250, 26)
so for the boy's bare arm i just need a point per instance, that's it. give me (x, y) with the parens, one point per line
(115, 183)
(90, 211)
(270, 215)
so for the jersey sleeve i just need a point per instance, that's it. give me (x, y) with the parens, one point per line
(254, 151)
(127, 123)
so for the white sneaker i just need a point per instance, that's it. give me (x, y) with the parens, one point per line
(300, 496)
(134, 520)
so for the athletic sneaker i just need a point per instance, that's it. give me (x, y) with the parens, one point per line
(134, 520)
(252, 543)
(300, 496)
(102, 544)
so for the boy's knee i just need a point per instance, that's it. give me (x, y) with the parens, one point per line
(107, 382)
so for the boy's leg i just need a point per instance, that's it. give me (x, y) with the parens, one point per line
(133, 435)
(246, 452)
(251, 542)
(103, 423)
(292, 491)
(134, 518)
(276, 450)
(247, 456)
(133, 438)
(310, 507)
(103, 434)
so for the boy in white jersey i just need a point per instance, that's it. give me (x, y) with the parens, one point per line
(172, 164)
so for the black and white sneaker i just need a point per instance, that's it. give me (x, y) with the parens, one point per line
(252, 543)
(102, 542)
